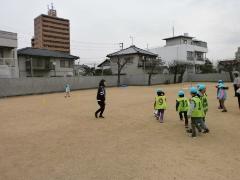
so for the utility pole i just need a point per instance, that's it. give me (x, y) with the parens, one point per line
(173, 31)
(121, 45)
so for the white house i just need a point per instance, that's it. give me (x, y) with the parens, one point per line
(183, 49)
(8, 55)
(138, 60)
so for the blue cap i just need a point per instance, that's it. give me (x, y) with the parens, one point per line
(158, 90)
(181, 93)
(198, 85)
(193, 90)
(201, 87)
(220, 81)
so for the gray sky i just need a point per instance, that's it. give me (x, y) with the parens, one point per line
(97, 26)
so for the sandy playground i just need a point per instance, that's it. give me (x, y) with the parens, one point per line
(48, 137)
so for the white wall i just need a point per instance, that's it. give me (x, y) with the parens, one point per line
(178, 52)
(8, 39)
(129, 68)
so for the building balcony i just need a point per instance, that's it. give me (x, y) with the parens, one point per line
(7, 61)
(200, 59)
(190, 58)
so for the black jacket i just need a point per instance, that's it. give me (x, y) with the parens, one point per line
(101, 93)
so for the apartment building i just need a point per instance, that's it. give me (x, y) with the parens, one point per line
(51, 32)
(8, 55)
(183, 49)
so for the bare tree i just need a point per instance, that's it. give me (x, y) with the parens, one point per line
(151, 65)
(227, 66)
(177, 68)
(120, 65)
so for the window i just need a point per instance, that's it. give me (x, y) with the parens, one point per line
(66, 63)
(185, 41)
(1, 53)
(129, 60)
(190, 55)
(62, 63)
(39, 63)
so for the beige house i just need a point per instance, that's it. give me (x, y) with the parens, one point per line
(34, 62)
(8, 55)
(137, 60)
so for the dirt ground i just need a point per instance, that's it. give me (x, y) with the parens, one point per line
(48, 137)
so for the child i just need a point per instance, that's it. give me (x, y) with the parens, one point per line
(182, 106)
(222, 96)
(219, 83)
(67, 90)
(160, 104)
(196, 112)
(203, 97)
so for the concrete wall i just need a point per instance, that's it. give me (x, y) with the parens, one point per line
(142, 80)
(213, 77)
(25, 86)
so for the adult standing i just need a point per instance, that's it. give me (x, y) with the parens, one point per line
(236, 85)
(101, 96)
(236, 82)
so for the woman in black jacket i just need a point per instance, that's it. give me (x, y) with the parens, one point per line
(101, 94)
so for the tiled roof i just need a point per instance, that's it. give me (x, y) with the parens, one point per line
(132, 50)
(45, 53)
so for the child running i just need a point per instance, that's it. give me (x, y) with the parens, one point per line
(67, 90)
(182, 107)
(196, 113)
(222, 96)
(160, 105)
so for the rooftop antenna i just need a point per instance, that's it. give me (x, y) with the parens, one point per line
(131, 37)
(51, 11)
(173, 30)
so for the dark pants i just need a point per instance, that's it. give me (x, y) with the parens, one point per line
(235, 90)
(160, 114)
(220, 105)
(197, 122)
(184, 113)
(238, 96)
(102, 108)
